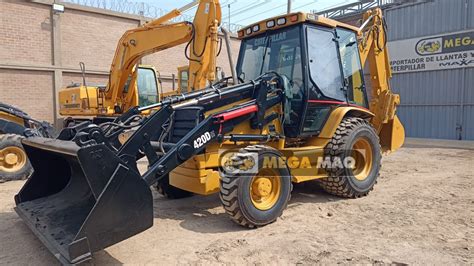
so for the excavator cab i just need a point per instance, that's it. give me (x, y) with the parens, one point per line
(148, 86)
(322, 65)
(183, 79)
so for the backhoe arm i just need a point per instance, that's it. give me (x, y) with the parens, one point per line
(203, 48)
(383, 102)
(156, 36)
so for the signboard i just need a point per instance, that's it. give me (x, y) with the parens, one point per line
(451, 50)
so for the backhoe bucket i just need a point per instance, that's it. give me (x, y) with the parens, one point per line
(81, 200)
(392, 135)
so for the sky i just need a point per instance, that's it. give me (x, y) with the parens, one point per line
(245, 12)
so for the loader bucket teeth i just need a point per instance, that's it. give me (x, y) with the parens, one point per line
(81, 200)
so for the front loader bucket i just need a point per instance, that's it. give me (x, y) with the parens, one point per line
(81, 200)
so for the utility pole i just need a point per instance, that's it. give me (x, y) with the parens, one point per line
(228, 10)
(289, 7)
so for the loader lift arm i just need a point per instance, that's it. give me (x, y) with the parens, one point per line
(78, 216)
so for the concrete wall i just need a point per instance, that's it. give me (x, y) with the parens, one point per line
(40, 52)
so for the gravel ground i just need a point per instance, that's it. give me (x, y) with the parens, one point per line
(420, 212)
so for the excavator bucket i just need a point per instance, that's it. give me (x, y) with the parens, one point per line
(81, 199)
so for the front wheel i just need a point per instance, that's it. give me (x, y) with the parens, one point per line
(355, 158)
(258, 198)
(14, 164)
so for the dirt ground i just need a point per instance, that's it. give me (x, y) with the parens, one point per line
(420, 212)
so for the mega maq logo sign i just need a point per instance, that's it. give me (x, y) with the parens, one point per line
(445, 44)
(429, 46)
(446, 51)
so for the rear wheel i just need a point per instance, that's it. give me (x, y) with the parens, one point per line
(169, 191)
(256, 199)
(355, 155)
(14, 164)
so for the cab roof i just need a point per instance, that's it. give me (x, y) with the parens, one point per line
(286, 20)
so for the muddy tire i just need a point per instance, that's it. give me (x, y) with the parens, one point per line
(14, 164)
(253, 200)
(354, 138)
(169, 191)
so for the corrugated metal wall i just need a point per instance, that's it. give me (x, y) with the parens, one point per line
(435, 104)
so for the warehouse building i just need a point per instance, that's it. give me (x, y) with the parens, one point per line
(431, 44)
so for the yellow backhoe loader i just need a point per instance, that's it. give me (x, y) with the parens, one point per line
(301, 112)
(15, 125)
(131, 85)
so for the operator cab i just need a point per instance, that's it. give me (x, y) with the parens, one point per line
(321, 61)
(147, 86)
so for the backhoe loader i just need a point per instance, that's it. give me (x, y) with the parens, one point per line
(15, 125)
(301, 112)
(100, 104)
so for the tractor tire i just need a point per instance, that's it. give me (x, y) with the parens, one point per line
(14, 164)
(257, 199)
(169, 191)
(354, 138)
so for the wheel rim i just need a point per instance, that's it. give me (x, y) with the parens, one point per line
(362, 154)
(12, 159)
(265, 189)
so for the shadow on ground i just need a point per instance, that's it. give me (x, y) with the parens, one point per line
(24, 248)
(204, 214)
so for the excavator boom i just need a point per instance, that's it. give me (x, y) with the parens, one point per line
(155, 36)
(120, 93)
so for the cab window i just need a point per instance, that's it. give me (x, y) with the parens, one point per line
(325, 77)
(183, 81)
(351, 67)
(324, 68)
(147, 87)
(278, 51)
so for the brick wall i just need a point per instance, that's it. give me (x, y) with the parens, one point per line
(90, 38)
(27, 68)
(29, 90)
(25, 30)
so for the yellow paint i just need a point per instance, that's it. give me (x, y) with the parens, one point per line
(362, 154)
(200, 174)
(12, 118)
(301, 18)
(265, 189)
(12, 159)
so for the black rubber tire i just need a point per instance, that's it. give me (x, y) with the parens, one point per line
(7, 140)
(169, 191)
(235, 192)
(341, 181)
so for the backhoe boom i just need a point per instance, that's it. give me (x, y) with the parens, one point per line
(383, 102)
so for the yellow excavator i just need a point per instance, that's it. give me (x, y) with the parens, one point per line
(300, 112)
(131, 84)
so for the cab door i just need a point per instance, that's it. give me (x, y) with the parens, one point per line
(325, 79)
(351, 67)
